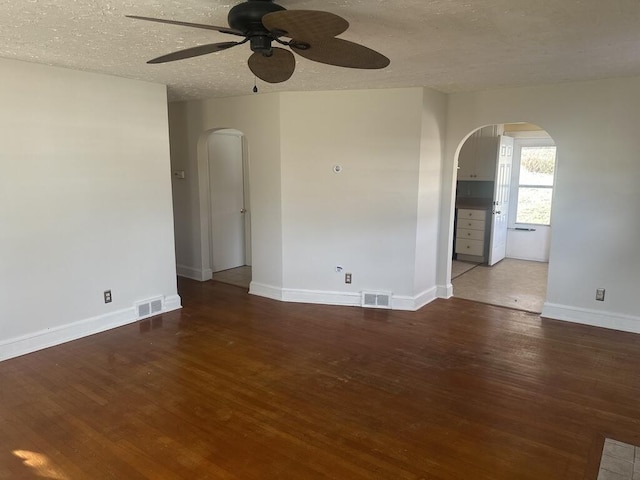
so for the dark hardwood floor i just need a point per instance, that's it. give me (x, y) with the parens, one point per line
(240, 387)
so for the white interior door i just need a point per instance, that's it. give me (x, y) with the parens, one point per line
(500, 209)
(226, 183)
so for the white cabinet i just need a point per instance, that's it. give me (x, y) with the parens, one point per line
(471, 234)
(478, 155)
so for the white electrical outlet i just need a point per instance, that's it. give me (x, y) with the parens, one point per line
(600, 294)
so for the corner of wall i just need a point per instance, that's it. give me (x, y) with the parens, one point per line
(201, 275)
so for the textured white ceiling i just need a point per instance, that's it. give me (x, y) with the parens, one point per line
(449, 45)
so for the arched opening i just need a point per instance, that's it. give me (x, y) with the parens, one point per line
(502, 216)
(226, 226)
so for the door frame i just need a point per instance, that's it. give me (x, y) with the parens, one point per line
(445, 256)
(245, 192)
(204, 219)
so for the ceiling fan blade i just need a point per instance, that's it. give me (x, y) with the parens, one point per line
(274, 69)
(188, 24)
(305, 25)
(342, 53)
(194, 52)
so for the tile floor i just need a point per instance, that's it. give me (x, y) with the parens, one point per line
(620, 461)
(510, 283)
(240, 277)
(458, 268)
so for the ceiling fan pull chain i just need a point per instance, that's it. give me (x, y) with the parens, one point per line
(255, 84)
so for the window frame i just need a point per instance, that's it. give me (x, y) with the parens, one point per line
(518, 144)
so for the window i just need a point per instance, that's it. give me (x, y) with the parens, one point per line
(534, 169)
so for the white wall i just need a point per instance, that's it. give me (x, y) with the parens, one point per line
(596, 224)
(257, 117)
(363, 218)
(378, 218)
(434, 113)
(529, 245)
(85, 203)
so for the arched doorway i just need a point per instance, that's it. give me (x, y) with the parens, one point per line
(229, 212)
(502, 221)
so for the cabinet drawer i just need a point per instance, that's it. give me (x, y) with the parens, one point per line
(463, 233)
(470, 247)
(465, 224)
(465, 213)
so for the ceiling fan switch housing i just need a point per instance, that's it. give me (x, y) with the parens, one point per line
(261, 44)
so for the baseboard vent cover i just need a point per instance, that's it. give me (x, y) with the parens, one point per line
(150, 307)
(376, 299)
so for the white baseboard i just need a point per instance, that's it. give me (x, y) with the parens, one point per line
(596, 318)
(415, 303)
(171, 303)
(349, 299)
(444, 291)
(15, 347)
(529, 259)
(267, 291)
(201, 275)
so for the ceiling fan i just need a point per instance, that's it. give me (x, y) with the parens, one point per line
(310, 33)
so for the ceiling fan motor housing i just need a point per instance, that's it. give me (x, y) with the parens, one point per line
(247, 17)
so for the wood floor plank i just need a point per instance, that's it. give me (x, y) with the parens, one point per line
(241, 387)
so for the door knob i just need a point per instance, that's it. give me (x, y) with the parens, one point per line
(244, 210)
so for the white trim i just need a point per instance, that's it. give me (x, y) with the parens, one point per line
(596, 318)
(348, 299)
(172, 302)
(411, 304)
(201, 275)
(529, 259)
(444, 291)
(267, 291)
(425, 298)
(15, 347)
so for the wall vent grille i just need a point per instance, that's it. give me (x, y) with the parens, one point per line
(148, 308)
(156, 306)
(376, 299)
